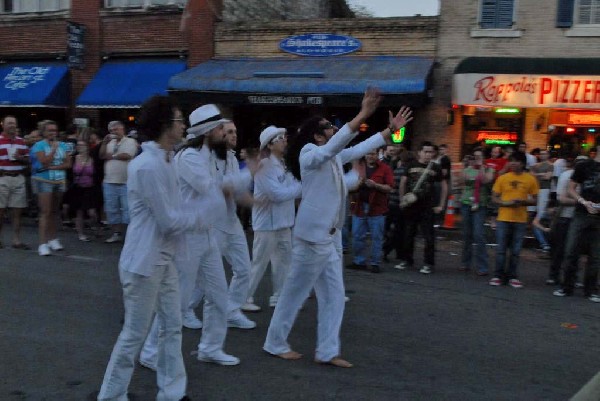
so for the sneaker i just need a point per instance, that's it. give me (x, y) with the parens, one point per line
(561, 293)
(426, 269)
(402, 266)
(346, 299)
(515, 283)
(546, 248)
(250, 306)
(273, 300)
(219, 357)
(116, 237)
(578, 285)
(495, 282)
(551, 281)
(55, 244)
(190, 321)
(239, 321)
(594, 298)
(148, 364)
(84, 238)
(44, 250)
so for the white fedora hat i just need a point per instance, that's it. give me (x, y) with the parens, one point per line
(269, 134)
(205, 118)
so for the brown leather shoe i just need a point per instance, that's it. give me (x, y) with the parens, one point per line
(337, 362)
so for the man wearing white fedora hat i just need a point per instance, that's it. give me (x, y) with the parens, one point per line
(203, 187)
(275, 190)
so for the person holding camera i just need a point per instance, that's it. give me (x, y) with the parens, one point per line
(512, 192)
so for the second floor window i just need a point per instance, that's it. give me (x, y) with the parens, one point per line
(33, 6)
(141, 3)
(496, 14)
(587, 12)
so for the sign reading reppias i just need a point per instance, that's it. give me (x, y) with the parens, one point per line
(576, 91)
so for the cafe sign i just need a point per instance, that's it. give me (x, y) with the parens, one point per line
(319, 44)
(23, 78)
(558, 91)
(285, 100)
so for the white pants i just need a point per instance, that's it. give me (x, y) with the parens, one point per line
(234, 248)
(142, 296)
(202, 269)
(318, 266)
(542, 202)
(275, 247)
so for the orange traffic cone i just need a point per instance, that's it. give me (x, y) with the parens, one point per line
(449, 217)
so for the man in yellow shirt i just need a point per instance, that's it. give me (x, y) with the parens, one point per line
(512, 192)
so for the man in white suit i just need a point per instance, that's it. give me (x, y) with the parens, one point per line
(275, 190)
(317, 157)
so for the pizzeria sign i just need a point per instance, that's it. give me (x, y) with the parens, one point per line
(577, 91)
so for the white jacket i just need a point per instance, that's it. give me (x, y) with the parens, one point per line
(238, 182)
(323, 186)
(275, 190)
(157, 218)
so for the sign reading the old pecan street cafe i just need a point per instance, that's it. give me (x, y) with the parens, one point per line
(319, 44)
(576, 91)
(75, 45)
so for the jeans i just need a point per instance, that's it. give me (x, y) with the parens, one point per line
(474, 231)
(508, 234)
(558, 239)
(423, 219)
(115, 203)
(582, 227)
(360, 225)
(394, 227)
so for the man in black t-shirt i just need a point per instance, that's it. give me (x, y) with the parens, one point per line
(421, 212)
(585, 224)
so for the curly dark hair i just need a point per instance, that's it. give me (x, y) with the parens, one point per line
(306, 134)
(156, 115)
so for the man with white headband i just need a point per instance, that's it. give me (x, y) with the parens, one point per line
(275, 190)
(203, 187)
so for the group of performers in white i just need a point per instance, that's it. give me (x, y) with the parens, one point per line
(184, 222)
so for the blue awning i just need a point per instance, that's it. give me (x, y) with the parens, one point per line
(308, 75)
(127, 84)
(34, 85)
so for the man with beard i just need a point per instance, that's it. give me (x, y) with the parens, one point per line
(275, 190)
(318, 156)
(202, 188)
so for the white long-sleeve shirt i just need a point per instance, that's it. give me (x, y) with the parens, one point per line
(200, 184)
(236, 181)
(275, 190)
(157, 217)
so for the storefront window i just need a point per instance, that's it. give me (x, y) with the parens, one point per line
(142, 3)
(33, 6)
(587, 12)
(491, 126)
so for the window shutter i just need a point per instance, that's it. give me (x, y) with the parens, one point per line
(488, 14)
(564, 16)
(505, 14)
(496, 14)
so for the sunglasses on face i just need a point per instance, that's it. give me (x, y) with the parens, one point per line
(278, 138)
(326, 125)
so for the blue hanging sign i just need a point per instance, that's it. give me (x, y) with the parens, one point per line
(319, 44)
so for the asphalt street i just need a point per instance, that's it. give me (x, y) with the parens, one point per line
(445, 336)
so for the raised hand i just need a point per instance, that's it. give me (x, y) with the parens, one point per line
(370, 101)
(403, 117)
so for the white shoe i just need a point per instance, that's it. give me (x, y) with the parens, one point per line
(84, 238)
(273, 300)
(346, 299)
(401, 266)
(426, 270)
(55, 244)
(44, 250)
(250, 306)
(190, 321)
(116, 237)
(239, 321)
(219, 357)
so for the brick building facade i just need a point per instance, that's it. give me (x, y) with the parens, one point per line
(511, 33)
